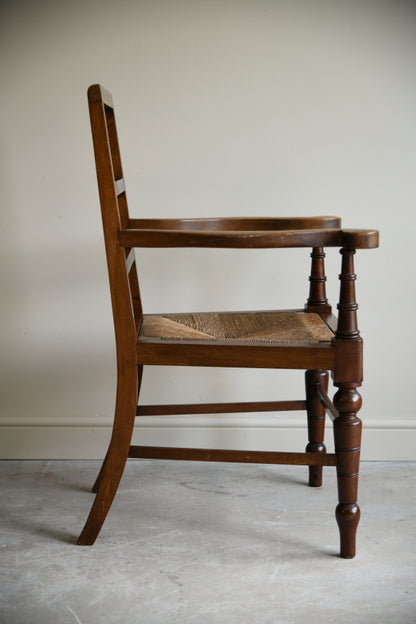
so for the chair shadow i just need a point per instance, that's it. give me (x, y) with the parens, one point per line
(35, 527)
(58, 535)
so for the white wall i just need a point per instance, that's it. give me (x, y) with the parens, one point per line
(224, 108)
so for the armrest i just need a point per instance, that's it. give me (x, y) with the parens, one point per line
(360, 239)
(243, 239)
(237, 224)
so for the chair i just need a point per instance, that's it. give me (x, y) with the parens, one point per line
(309, 339)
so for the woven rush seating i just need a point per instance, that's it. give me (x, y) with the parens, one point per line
(278, 327)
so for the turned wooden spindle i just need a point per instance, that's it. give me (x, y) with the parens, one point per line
(347, 328)
(317, 301)
(347, 435)
(316, 420)
(347, 401)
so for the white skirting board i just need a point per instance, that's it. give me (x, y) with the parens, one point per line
(86, 437)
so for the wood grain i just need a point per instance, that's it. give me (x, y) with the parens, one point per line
(158, 238)
(220, 455)
(220, 408)
(237, 223)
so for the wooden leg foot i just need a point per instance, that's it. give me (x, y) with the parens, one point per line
(103, 500)
(347, 433)
(315, 472)
(348, 517)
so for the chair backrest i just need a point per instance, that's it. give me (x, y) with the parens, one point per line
(124, 286)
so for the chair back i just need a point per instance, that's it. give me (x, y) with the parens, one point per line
(121, 262)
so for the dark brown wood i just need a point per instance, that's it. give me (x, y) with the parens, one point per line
(222, 455)
(114, 463)
(183, 353)
(342, 355)
(248, 224)
(317, 300)
(135, 296)
(326, 402)
(348, 364)
(103, 469)
(347, 402)
(98, 95)
(316, 421)
(360, 239)
(108, 164)
(244, 239)
(347, 435)
(220, 408)
(347, 319)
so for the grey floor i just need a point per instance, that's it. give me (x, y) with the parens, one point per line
(207, 543)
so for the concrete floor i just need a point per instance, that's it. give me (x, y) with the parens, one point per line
(207, 543)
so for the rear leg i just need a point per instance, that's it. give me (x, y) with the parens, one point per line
(316, 420)
(115, 460)
(102, 469)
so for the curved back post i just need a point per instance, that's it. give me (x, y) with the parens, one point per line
(122, 271)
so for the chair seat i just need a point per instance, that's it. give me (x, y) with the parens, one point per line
(288, 327)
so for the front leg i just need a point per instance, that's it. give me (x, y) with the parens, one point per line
(348, 376)
(347, 434)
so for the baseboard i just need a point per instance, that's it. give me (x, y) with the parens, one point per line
(87, 437)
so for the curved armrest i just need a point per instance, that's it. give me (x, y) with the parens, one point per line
(360, 239)
(237, 224)
(243, 239)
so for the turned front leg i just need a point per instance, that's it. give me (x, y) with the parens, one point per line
(347, 434)
(316, 420)
(348, 376)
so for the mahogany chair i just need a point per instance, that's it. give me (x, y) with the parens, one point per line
(310, 339)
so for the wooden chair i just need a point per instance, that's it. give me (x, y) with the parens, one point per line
(310, 339)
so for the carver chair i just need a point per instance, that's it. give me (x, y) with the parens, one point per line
(310, 339)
